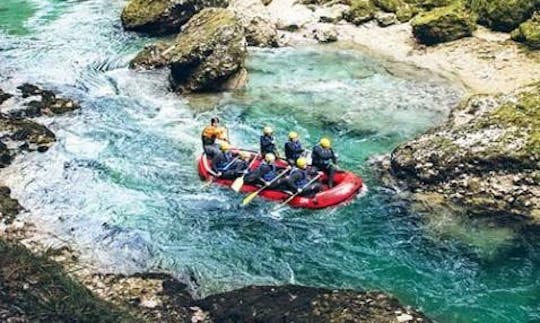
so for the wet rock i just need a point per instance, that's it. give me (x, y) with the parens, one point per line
(258, 27)
(503, 15)
(443, 24)
(325, 33)
(153, 56)
(489, 144)
(292, 303)
(361, 11)
(528, 32)
(208, 53)
(163, 16)
(429, 4)
(46, 103)
(4, 96)
(9, 207)
(21, 134)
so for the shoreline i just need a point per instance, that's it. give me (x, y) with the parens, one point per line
(486, 63)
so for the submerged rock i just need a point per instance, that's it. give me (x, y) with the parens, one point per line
(503, 15)
(486, 158)
(528, 32)
(443, 24)
(209, 53)
(163, 16)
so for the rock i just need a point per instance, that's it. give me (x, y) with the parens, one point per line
(361, 11)
(258, 27)
(152, 56)
(528, 33)
(4, 96)
(475, 158)
(503, 15)
(46, 103)
(30, 135)
(332, 14)
(266, 2)
(210, 50)
(429, 4)
(292, 303)
(163, 16)
(325, 33)
(443, 24)
(388, 5)
(386, 19)
(9, 207)
(404, 318)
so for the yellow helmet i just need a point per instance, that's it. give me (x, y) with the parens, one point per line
(293, 135)
(224, 146)
(325, 143)
(270, 158)
(301, 162)
(268, 130)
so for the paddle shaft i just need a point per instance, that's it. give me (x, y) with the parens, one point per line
(296, 194)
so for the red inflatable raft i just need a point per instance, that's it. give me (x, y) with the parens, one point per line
(346, 186)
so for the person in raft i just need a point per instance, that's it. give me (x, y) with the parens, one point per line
(268, 142)
(300, 177)
(293, 148)
(210, 134)
(324, 159)
(265, 173)
(228, 165)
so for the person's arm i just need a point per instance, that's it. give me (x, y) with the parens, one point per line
(334, 158)
(288, 153)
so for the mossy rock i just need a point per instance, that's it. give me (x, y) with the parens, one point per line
(389, 5)
(152, 56)
(163, 16)
(361, 11)
(443, 24)
(210, 50)
(429, 4)
(503, 15)
(528, 33)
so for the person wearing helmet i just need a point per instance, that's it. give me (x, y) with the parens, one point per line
(268, 143)
(324, 159)
(265, 173)
(226, 164)
(293, 148)
(300, 176)
(209, 135)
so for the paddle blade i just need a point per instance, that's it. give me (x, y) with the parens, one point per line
(237, 184)
(249, 198)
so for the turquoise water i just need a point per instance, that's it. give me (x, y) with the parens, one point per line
(120, 185)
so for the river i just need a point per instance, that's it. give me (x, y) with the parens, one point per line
(121, 187)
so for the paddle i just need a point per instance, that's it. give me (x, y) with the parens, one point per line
(296, 194)
(239, 182)
(251, 196)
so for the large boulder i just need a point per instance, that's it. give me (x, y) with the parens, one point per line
(529, 33)
(486, 157)
(258, 27)
(163, 16)
(4, 96)
(503, 15)
(153, 56)
(210, 53)
(443, 24)
(360, 12)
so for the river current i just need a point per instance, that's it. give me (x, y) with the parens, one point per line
(120, 185)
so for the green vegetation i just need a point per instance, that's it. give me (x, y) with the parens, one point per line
(37, 289)
(503, 15)
(529, 33)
